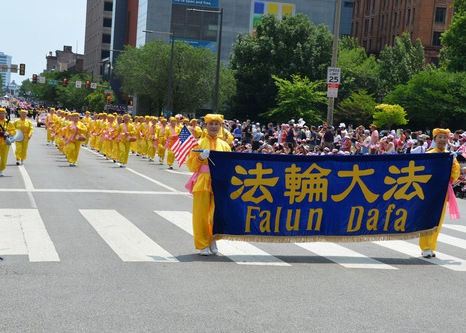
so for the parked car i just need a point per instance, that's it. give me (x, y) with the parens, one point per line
(40, 120)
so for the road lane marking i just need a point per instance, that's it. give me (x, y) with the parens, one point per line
(242, 253)
(412, 250)
(58, 190)
(22, 232)
(343, 256)
(460, 228)
(454, 241)
(125, 239)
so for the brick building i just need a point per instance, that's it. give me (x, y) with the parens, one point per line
(376, 23)
(65, 60)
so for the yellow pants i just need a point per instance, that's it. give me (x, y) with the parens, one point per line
(4, 149)
(49, 136)
(161, 152)
(150, 149)
(143, 145)
(170, 157)
(430, 242)
(203, 214)
(124, 150)
(21, 149)
(71, 150)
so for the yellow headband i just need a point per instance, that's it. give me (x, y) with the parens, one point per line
(213, 117)
(441, 130)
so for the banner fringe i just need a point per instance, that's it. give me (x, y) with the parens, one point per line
(322, 238)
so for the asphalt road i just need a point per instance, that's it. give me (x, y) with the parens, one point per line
(98, 248)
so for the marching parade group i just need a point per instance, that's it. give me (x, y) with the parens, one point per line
(115, 136)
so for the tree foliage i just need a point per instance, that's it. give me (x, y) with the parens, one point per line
(145, 71)
(357, 109)
(398, 63)
(387, 115)
(358, 70)
(292, 45)
(454, 40)
(299, 98)
(433, 98)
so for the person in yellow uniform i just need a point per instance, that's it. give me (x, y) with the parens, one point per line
(75, 134)
(195, 129)
(152, 139)
(200, 185)
(49, 122)
(126, 136)
(171, 133)
(428, 244)
(161, 139)
(24, 125)
(87, 120)
(6, 128)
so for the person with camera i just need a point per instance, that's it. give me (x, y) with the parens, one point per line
(6, 129)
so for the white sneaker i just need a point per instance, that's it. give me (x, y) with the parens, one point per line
(122, 165)
(151, 160)
(213, 247)
(205, 252)
(1, 173)
(428, 254)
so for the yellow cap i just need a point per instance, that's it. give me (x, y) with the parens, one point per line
(172, 119)
(2, 110)
(23, 111)
(441, 130)
(213, 117)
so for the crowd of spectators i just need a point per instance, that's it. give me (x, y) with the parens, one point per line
(300, 139)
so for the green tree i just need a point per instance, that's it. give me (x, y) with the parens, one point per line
(71, 97)
(144, 72)
(454, 40)
(433, 98)
(357, 109)
(387, 115)
(299, 98)
(359, 71)
(292, 45)
(398, 63)
(96, 100)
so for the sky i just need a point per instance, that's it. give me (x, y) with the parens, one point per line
(33, 28)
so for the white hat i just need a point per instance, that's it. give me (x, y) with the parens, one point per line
(342, 125)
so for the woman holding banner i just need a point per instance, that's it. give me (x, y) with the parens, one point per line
(428, 244)
(200, 185)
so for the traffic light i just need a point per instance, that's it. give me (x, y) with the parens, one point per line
(22, 69)
(88, 84)
(65, 82)
(34, 78)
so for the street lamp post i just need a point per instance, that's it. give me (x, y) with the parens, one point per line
(170, 73)
(219, 49)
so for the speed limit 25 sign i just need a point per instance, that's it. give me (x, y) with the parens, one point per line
(333, 75)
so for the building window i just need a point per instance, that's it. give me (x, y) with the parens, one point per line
(104, 54)
(436, 38)
(366, 26)
(414, 14)
(108, 6)
(106, 38)
(194, 26)
(108, 22)
(348, 4)
(435, 61)
(368, 6)
(395, 18)
(440, 13)
(408, 16)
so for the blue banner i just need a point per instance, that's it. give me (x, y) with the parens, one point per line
(289, 198)
(197, 3)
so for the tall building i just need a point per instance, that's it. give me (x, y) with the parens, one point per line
(377, 23)
(6, 75)
(239, 16)
(65, 60)
(98, 35)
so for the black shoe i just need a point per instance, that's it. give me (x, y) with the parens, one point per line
(17, 162)
(170, 167)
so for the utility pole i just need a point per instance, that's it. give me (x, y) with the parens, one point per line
(336, 33)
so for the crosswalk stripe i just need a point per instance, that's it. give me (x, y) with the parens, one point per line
(412, 250)
(344, 256)
(242, 253)
(455, 241)
(22, 232)
(460, 228)
(125, 239)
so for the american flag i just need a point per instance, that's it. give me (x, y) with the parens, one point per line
(183, 145)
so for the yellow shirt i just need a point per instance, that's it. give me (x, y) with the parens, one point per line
(203, 182)
(25, 126)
